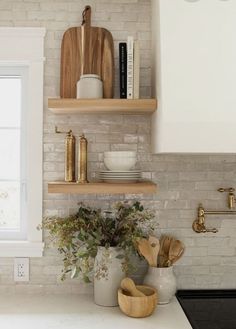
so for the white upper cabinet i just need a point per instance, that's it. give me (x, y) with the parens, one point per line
(194, 67)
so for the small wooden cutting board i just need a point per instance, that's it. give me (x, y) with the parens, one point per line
(86, 50)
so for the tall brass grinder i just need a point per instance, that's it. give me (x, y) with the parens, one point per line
(82, 160)
(69, 155)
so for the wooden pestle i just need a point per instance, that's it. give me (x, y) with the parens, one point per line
(128, 285)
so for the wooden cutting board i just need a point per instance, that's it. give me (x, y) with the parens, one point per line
(86, 50)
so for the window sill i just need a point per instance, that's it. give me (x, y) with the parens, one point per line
(21, 249)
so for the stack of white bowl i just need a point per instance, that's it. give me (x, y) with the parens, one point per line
(119, 165)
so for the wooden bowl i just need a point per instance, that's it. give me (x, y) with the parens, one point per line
(138, 307)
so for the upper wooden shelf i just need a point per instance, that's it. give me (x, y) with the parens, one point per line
(102, 106)
(144, 187)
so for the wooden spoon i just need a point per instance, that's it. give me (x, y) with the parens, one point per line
(166, 242)
(155, 247)
(161, 251)
(175, 251)
(145, 250)
(178, 257)
(128, 285)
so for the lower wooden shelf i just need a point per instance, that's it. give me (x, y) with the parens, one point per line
(144, 187)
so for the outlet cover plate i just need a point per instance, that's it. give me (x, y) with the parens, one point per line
(21, 269)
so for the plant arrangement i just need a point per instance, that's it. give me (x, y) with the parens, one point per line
(79, 236)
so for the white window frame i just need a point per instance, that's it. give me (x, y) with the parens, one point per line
(25, 47)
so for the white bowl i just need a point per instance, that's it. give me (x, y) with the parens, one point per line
(120, 154)
(120, 164)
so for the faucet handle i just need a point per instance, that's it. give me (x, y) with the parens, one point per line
(201, 228)
(227, 189)
(212, 230)
(231, 196)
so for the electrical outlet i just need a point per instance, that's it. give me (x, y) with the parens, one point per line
(21, 269)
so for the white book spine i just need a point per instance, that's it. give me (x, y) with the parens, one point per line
(130, 67)
(136, 69)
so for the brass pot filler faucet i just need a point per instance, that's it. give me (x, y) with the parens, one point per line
(199, 224)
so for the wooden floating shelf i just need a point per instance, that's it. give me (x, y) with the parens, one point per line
(102, 106)
(144, 187)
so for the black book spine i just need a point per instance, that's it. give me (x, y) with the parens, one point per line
(123, 69)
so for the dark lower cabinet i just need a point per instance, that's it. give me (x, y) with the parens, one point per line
(209, 309)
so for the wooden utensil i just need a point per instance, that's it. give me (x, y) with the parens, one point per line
(161, 252)
(129, 286)
(145, 250)
(175, 251)
(164, 250)
(155, 247)
(178, 256)
(86, 50)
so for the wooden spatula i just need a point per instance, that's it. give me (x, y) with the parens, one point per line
(145, 250)
(155, 247)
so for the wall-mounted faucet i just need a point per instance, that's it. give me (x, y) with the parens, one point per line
(199, 223)
(231, 196)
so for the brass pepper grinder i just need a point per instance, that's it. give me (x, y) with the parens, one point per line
(69, 155)
(82, 170)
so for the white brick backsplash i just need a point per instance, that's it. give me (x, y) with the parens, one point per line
(109, 138)
(211, 260)
(50, 6)
(19, 15)
(6, 15)
(192, 270)
(196, 251)
(6, 5)
(124, 147)
(130, 139)
(20, 5)
(208, 281)
(221, 251)
(120, 1)
(185, 282)
(183, 181)
(48, 147)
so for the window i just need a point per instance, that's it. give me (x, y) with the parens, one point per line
(21, 112)
(13, 89)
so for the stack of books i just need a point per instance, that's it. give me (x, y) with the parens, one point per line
(129, 65)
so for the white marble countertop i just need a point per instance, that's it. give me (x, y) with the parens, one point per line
(80, 312)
